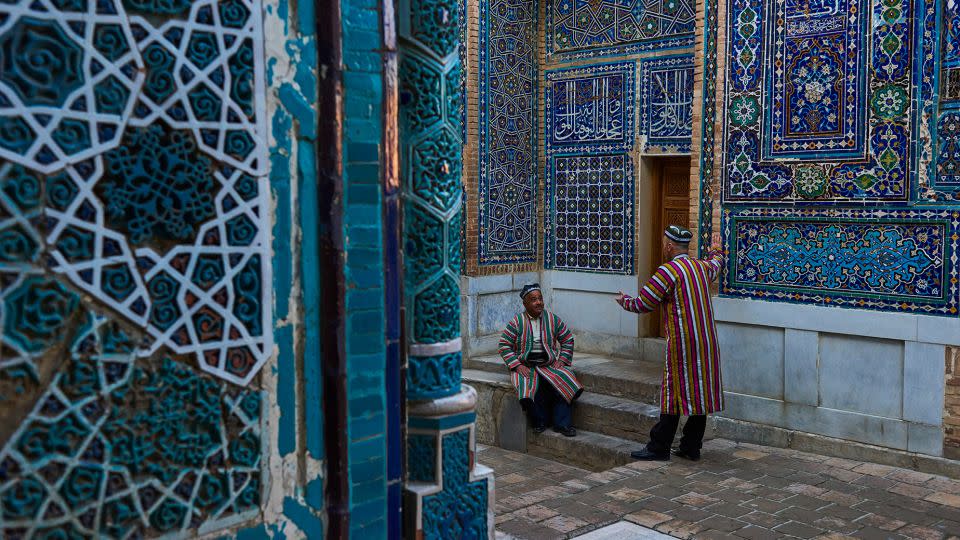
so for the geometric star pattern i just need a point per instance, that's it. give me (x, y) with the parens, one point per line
(507, 102)
(588, 28)
(135, 277)
(156, 207)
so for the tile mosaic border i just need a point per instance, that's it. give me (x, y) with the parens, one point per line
(706, 60)
(943, 182)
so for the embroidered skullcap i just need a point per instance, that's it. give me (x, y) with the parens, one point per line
(527, 289)
(678, 234)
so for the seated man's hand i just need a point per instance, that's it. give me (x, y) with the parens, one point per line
(620, 298)
(523, 370)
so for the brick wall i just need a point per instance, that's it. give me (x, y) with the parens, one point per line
(363, 136)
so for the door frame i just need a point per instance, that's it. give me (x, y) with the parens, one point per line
(658, 166)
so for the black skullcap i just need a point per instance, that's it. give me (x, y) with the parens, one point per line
(678, 234)
(527, 289)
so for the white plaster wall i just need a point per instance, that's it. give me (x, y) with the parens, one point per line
(585, 301)
(486, 304)
(865, 376)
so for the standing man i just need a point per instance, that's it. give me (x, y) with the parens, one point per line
(538, 349)
(692, 385)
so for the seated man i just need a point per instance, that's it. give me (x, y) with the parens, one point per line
(538, 349)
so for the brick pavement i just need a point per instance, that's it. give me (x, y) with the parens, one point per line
(735, 491)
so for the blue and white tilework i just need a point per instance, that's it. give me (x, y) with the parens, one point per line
(507, 117)
(825, 111)
(590, 219)
(666, 104)
(590, 108)
(948, 124)
(896, 260)
(834, 123)
(137, 130)
(950, 51)
(135, 266)
(589, 28)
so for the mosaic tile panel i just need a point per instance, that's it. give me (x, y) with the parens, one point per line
(590, 108)
(912, 249)
(507, 107)
(134, 266)
(590, 219)
(947, 170)
(840, 106)
(460, 509)
(588, 28)
(123, 447)
(666, 104)
(818, 101)
(154, 132)
(950, 51)
(948, 155)
(900, 260)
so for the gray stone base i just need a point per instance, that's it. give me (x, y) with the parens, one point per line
(741, 431)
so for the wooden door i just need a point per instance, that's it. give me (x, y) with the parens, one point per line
(674, 204)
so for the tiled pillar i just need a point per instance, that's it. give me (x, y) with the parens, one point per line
(447, 494)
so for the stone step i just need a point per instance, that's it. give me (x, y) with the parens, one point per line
(631, 379)
(603, 414)
(592, 451)
(615, 416)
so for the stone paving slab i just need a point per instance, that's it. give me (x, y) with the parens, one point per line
(623, 530)
(735, 491)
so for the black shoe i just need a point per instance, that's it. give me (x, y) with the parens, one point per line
(692, 456)
(539, 429)
(567, 431)
(646, 455)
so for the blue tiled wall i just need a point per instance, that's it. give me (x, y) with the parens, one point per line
(363, 135)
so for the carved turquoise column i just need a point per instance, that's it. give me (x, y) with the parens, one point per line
(447, 495)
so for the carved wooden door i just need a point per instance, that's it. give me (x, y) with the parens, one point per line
(674, 205)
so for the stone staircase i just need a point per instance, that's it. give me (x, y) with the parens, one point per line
(613, 416)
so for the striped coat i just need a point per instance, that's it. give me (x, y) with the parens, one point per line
(692, 383)
(516, 342)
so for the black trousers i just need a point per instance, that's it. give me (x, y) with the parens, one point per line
(548, 407)
(661, 436)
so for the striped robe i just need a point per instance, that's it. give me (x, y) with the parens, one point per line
(692, 383)
(516, 342)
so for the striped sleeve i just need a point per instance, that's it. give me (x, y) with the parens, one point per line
(714, 262)
(652, 294)
(565, 339)
(508, 344)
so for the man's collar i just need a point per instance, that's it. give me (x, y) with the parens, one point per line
(678, 255)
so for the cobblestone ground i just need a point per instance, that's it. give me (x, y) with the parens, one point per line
(735, 491)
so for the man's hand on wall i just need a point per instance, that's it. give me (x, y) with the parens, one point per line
(620, 297)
